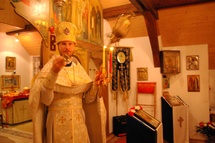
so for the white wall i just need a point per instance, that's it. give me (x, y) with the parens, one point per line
(142, 57)
(198, 102)
(8, 47)
(212, 89)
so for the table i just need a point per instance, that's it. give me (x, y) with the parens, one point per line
(15, 108)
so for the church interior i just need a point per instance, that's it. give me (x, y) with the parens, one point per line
(158, 57)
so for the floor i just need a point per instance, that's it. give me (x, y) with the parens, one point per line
(27, 127)
(20, 133)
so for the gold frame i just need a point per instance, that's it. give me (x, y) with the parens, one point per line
(10, 82)
(192, 62)
(10, 63)
(147, 118)
(170, 62)
(193, 83)
(142, 74)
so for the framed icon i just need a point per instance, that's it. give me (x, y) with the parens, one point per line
(10, 63)
(10, 82)
(147, 118)
(193, 83)
(142, 74)
(192, 62)
(170, 62)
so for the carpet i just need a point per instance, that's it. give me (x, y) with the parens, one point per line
(15, 136)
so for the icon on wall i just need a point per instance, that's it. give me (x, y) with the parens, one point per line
(193, 83)
(142, 74)
(170, 61)
(192, 62)
(166, 82)
(10, 63)
(10, 82)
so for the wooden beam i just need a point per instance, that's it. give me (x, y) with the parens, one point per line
(151, 25)
(159, 4)
(27, 28)
(149, 7)
(114, 12)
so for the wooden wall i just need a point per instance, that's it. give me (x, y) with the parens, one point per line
(187, 25)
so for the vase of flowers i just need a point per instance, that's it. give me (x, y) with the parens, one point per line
(208, 129)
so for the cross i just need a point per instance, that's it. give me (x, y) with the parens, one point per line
(78, 117)
(180, 120)
(23, 109)
(121, 66)
(62, 119)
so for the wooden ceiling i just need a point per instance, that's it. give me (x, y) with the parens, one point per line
(183, 22)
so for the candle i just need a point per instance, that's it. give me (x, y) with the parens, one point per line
(103, 65)
(110, 64)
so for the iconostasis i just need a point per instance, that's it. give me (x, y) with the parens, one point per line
(85, 14)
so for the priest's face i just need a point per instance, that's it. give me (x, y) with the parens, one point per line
(66, 48)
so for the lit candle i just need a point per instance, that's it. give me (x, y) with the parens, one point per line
(103, 65)
(111, 52)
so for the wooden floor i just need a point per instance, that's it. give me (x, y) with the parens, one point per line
(112, 139)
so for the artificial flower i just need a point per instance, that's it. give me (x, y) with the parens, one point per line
(134, 109)
(207, 128)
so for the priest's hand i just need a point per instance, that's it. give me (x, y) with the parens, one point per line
(102, 78)
(58, 64)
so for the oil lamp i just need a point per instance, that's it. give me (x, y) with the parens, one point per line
(121, 27)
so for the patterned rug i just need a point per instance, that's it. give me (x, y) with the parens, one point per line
(15, 136)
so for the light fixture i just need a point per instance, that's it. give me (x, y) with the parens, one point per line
(121, 28)
(16, 37)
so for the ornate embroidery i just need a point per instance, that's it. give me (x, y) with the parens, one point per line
(123, 69)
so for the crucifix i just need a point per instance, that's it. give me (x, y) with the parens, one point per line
(180, 120)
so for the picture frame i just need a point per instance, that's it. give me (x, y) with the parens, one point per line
(10, 63)
(170, 61)
(192, 62)
(166, 82)
(147, 118)
(10, 82)
(193, 83)
(142, 74)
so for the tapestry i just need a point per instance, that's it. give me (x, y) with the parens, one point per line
(121, 69)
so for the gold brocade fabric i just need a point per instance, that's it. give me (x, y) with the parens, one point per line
(65, 122)
(68, 123)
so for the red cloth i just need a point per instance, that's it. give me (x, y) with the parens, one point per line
(146, 87)
(7, 99)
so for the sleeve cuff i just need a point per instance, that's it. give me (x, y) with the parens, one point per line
(50, 80)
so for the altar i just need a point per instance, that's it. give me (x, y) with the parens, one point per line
(175, 120)
(15, 108)
(143, 128)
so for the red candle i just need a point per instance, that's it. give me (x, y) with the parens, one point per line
(110, 60)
